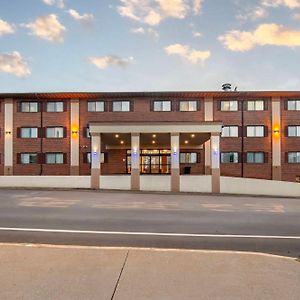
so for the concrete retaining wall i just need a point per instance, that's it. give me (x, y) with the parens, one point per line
(115, 182)
(155, 183)
(195, 183)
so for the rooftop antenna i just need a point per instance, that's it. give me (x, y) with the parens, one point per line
(226, 87)
(235, 89)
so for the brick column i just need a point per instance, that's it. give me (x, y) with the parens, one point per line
(8, 136)
(276, 139)
(208, 116)
(96, 161)
(135, 161)
(175, 166)
(74, 135)
(215, 162)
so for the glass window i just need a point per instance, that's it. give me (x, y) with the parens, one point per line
(293, 105)
(229, 105)
(162, 106)
(88, 134)
(29, 158)
(188, 105)
(54, 158)
(293, 131)
(255, 157)
(121, 106)
(229, 157)
(230, 131)
(29, 106)
(255, 131)
(55, 106)
(31, 132)
(294, 157)
(55, 132)
(96, 106)
(188, 158)
(89, 159)
(255, 105)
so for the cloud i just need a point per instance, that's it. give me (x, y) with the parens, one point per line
(254, 13)
(152, 12)
(296, 16)
(85, 18)
(292, 4)
(264, 34)
(48, 28)
(58, 3)
(197, 34)
(191, 55)
(5, 28)
(138, 30)
(13, 63)
(103, 62)
(141, 30)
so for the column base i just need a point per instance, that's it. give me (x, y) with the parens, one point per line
(74, 170)
(207, 170)
(276, 173)
(215, 181)
(135, 179)
(8, 170)
(175, 180)
(95, 179)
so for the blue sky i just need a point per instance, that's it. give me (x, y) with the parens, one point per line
(149, 45)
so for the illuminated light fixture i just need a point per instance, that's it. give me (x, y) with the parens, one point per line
(116, 135)
(74, 131)
(122, 142)
(153, 142)
(154, 135)
(186, 142)
(276, 130)
(192, 135)
(8, 132)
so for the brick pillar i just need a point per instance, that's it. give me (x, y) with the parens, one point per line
(74, 136)
(215, 162)
(208, 116)
(96, 161)
(175, 169)
(135, 161)
(276, 139)
(8, 136)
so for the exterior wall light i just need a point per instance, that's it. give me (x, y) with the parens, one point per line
(74, 132)
(122, 142)
(8, 132)
(116, 136)
(276, 131)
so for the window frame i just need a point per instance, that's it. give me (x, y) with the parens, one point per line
(54, 153)
(255, 105)
(297, 130)
(29, 137)
(235, 157)
(229, 101)
(190, 162)
(95, 104)
(254, 153)
(121, 110)
(54, 127)
(230, 136)
(188, 102)
(255, 128)
(29, 103)
(162, 106)
(297, 157)
(29, 153)
(297, 105)
(55, 110)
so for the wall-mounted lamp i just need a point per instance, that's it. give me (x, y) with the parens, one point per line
(74, 131)
(276, 131)
(8, 132)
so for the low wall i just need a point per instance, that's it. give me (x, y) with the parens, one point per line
(195, 183)
(155, 183)
(115, 182)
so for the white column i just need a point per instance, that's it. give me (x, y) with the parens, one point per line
(8, 136)
(276, 139)
(175, 165)
(74, 136)
(96, 161)
(135, 161)
(215, 162)
(208, 117)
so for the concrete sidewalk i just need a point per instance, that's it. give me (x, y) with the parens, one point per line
(58, 272)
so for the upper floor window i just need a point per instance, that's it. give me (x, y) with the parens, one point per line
(229, 105)
(162, 106)
(294, 157)
(293, 130)
(229, 157)
(188, 158)
(29, 158)
(121, 106)
(255, 105)
(293, 104)
(255, 157)
(255, 131)
(230, 131)
(57, 106)
(54, 158)
(55, 132)
(30, 132)
(96, 106)
(29, 107)
(188, 105)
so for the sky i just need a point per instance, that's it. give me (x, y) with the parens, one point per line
(149, 45)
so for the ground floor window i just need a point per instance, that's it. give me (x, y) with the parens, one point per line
(54, 158)
(255, 158)
(29, 158)
(229, 157)
(188, 158)
(294, 157)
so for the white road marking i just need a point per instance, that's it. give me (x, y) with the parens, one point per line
(151, 233)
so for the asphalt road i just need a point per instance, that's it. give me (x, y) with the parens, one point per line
(270, 225)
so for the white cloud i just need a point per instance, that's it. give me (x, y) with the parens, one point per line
(174, 8)
(191, 55)
(13, 63)
(141, 30)
(103, 62)
(296, 16)
(288, 3)
(138, 30)
(197, 6)
(48, 28)
(254, 14)
(264, 34)
(58, 3)
(85, 18)
(5, 28)
(197, 34)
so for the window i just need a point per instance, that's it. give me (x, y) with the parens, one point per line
(229, 105)
(294, 157)
(29, 158)
(293, 104)
(230, 131)
(255, 131)
(88, 134)
(96, 106)
(188, 105)
(30, 132)
(54, 158)
(293, 131)
(229, 157)
(55, 132)
(89, 159)
(188, 158)
(29, 107)
(255, 105)
(162, 106)
(55, 106)
(121, 106)
(255, 157)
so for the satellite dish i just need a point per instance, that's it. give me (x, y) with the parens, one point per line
(226, 87)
